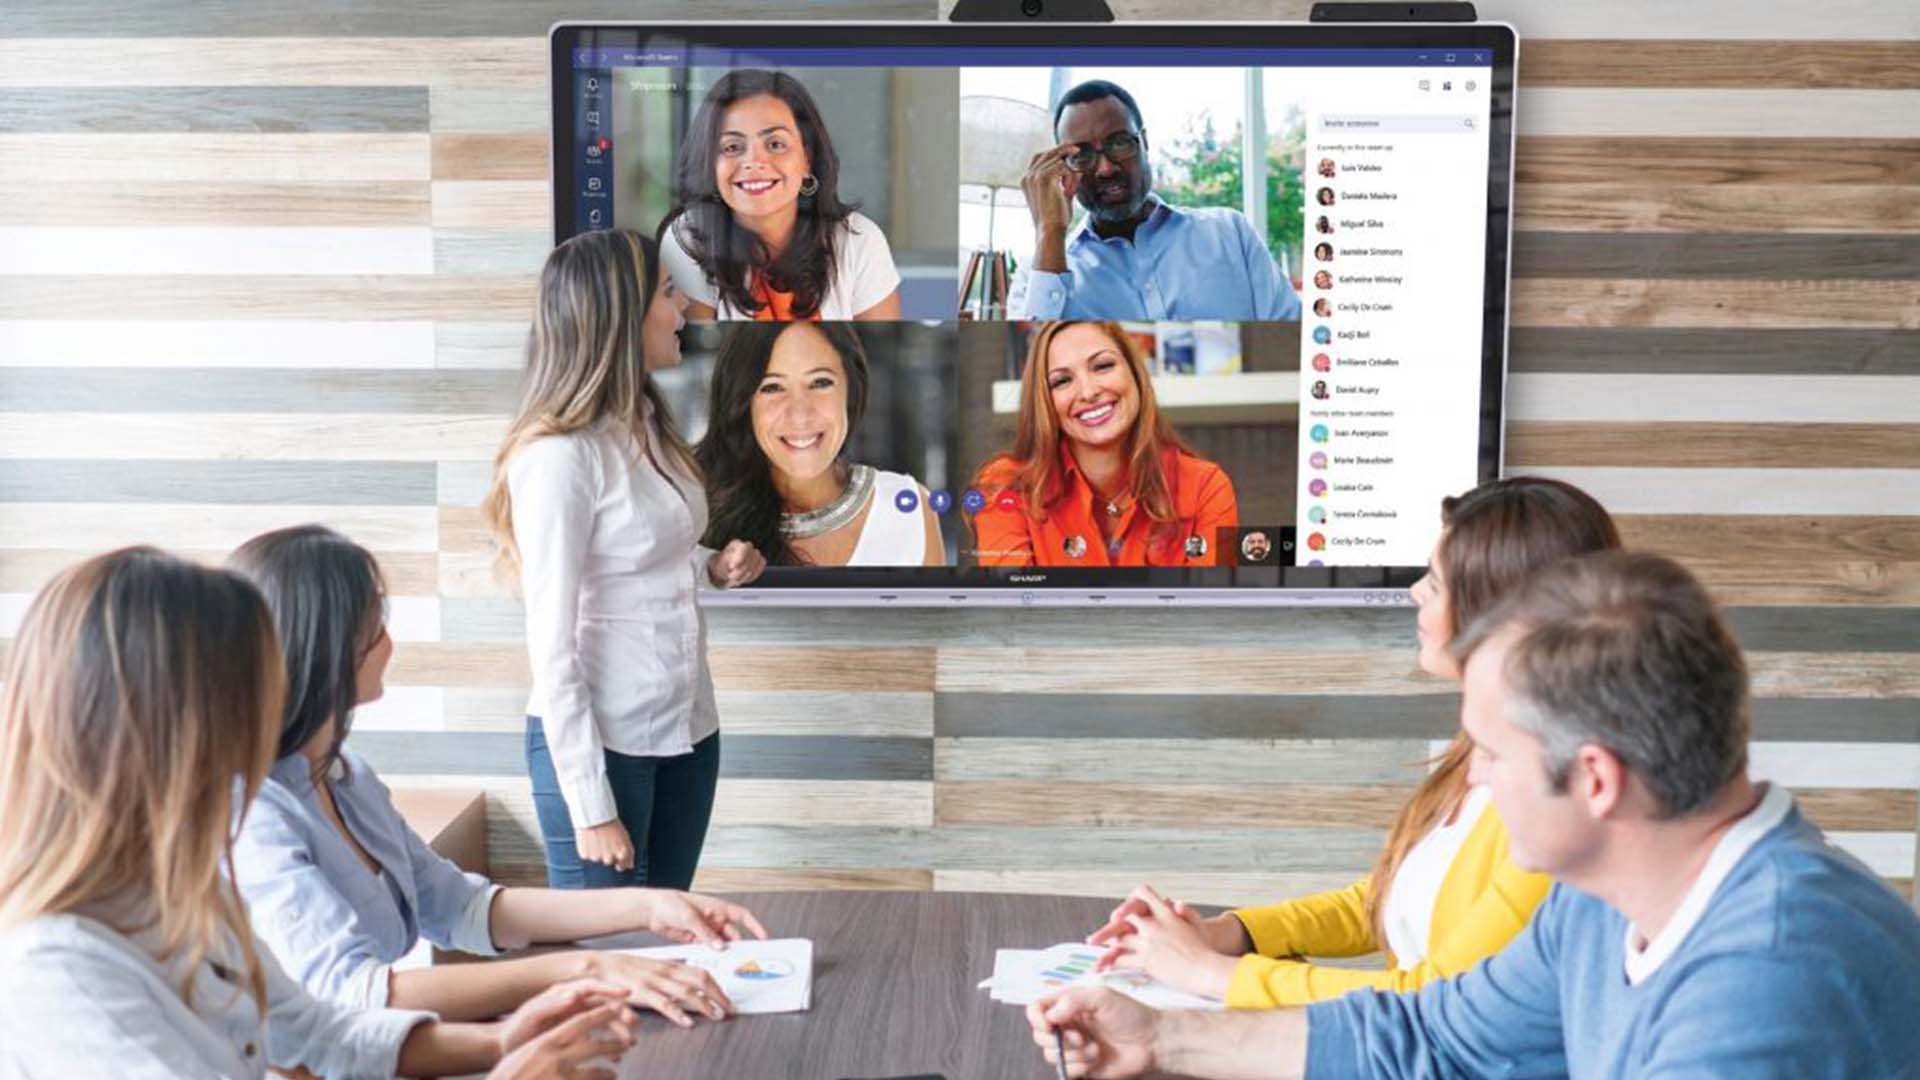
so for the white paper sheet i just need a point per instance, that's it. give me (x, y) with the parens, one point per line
(1023, 976)
(759, 976)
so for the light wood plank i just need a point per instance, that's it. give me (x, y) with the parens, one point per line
(776, 880)
(1864, 810)
(254, 436)
(490, 110)
(1187, 805)
(312, 60)
(490, 157)
(504, 666)
(1719, 113)
(1633, 19)
(1717, 208)
(1694, 445)
(1173, 759)
(1746, 580)
(1785, 537)
(1166, 670)
(1224, 888)
(1745, 491)
(808, 803)
(1756, 401)
(96, 527)
(291, 343)
(1681, 302)
(1818, 675)
(851, 713)
(134, 202)
(219, 157)
(1766, 160)
(214, 108)
(214, 249)
(385, 296)
(492, 204)
(1857, 64)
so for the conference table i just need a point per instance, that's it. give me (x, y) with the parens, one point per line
(895, 977)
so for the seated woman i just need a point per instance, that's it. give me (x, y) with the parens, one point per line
(142, 705)
(341, 887)
(784, 401)
(1097, 476)
(1443, 894)
(760, 231)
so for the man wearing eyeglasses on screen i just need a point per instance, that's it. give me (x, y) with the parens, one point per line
(1133, 256)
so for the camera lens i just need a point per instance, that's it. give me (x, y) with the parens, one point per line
(1031, 8)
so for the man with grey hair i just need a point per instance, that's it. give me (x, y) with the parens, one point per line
(1700, 927)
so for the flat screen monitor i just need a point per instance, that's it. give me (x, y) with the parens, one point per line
(1087, 314)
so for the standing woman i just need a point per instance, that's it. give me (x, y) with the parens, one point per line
(597, 507)
(141, 711)
(760, 231)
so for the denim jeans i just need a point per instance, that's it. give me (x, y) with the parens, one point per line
(665, 803)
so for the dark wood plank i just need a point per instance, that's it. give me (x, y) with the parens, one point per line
(1765, 536)
(1780, 65)
(296, 483)
(250, 390)
(1572, 159)
(742, 757)
(1625, 206)
(1539, 443)
(490, 157)
(421, 18)
(1749, 256)
(214, 108)
(1730, 351)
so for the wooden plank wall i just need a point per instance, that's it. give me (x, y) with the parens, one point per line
(268, 263)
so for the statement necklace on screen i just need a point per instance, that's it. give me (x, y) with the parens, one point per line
(835, 514)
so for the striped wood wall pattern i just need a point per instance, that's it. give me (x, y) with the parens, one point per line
(261, 265)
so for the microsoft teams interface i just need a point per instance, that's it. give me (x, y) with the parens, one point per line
(1180, 315)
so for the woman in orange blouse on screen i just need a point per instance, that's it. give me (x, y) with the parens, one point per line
(1097, 476)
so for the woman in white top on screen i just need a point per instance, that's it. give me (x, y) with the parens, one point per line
(597, 507)
(760, 231)
(142, 708)
(341, 888)
(784, 403)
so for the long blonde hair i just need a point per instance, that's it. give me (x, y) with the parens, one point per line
(1033, 466)
(585, 363)
(1493, 538)
(141, 687)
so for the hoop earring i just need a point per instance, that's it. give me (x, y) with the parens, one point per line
(809, 184)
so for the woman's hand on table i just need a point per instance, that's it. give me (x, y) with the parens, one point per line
(556, 1034)
(675, 990)
(737, 564)
(690, 918)
(1168, 940)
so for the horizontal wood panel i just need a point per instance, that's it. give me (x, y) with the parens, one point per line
(1746, 580)
(1225, 889)
(298, 390)
(1766, 159)
(95, 527)
(1681, 302)
(185, 203)
(274, 109)
(1841, 809)
(1185, 805)
(490, 157)
(222, 157)
(1752, 399)
(1180, 670)
(263, 251)
(316, 59)
(1784, 537)
(231, 482)
(1173, 758)
(1637, 19)
(1719, 113)
(92, 342)
(393, 296)
(408, 573)
(474, 664)
(850, 713)
(1684, 445)
(778, 880)
(524, 20)
(1635, 490)
(90, 436)
(1813, 253)
(1706, 210)
(1885, 65)
(492, 204)
(1642, 351)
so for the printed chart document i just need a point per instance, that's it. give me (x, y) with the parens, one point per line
(759, 976)
(1023, 976)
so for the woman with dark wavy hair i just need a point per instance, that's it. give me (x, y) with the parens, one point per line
(785, 402)
(760, 231)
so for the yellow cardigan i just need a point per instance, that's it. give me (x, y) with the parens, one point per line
(1484, 901)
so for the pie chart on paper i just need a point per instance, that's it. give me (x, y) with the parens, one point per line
(764, 970)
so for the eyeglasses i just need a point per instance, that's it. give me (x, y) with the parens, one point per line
(1120, 147)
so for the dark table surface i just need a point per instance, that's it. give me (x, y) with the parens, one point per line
(894, 992)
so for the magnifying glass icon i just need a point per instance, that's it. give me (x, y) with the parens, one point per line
(1468, 121)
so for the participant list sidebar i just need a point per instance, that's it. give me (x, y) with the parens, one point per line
(1393, 293)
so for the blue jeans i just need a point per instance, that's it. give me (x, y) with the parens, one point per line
(665, 803)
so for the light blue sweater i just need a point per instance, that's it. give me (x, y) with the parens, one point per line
(1803, 965)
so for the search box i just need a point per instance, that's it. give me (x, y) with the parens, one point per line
(1412, 124)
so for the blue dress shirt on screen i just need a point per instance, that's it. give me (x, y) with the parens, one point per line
(1801, 964)
(1199, 263)
(336, 926)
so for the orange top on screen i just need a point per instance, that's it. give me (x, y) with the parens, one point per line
(1069, 530)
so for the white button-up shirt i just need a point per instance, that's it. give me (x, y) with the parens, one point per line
(78, 999)
(610, 565)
